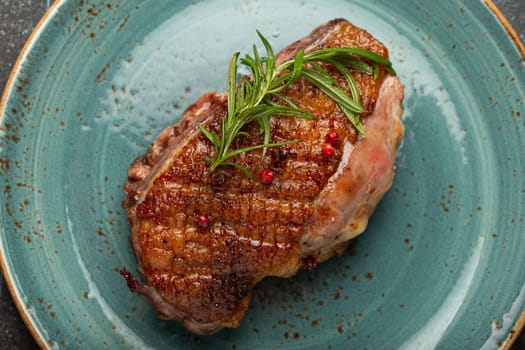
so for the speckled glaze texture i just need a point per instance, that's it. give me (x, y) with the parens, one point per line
(441, 264)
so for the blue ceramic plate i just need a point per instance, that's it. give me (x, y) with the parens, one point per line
(441, 264)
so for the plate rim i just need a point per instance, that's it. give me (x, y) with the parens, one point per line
(45, 20)
(6, 272)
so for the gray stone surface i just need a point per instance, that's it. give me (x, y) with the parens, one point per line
(17, 19)
(514, 11)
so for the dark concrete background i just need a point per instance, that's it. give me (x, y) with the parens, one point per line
(17, 19)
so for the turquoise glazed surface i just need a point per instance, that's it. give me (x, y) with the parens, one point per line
(441, 264)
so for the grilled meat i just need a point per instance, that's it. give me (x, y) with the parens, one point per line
(203, 240)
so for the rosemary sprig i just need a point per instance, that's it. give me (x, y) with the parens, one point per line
(252, 98)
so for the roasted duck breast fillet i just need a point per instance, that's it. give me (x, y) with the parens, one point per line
(204, 239)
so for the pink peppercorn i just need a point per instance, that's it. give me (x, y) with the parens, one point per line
(328, 150)
(202, 220)
(332, 138)
(266, 176)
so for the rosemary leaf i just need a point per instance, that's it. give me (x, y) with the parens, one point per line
(257, 98)
(327, 84)
(354, 91)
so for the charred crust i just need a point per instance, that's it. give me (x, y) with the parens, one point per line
(131, 281)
